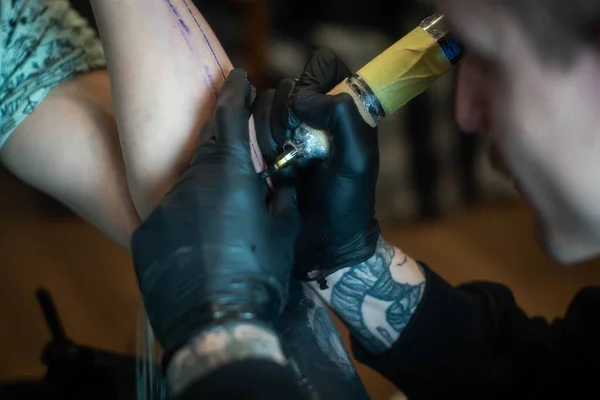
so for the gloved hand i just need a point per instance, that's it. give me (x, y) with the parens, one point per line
(213, 250)
(336, 196)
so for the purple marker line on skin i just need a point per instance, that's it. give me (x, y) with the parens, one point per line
(215, 58)
(262, 161)
(183, 28)
(176, 13)
(205, 38)
(207, 73)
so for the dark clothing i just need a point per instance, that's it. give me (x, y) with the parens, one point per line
(246, 380)
(469, 342)
(474, 342)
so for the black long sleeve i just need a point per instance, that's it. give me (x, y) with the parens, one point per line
(474, 342)
(246, 380)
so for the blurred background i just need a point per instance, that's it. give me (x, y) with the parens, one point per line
(438, 198)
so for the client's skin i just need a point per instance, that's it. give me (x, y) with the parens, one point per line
(68, 148)
(170, 65)
(165, 79)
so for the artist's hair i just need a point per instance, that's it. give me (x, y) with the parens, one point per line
(559, 28)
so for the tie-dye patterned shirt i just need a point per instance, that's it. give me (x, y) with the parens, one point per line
(42, 43)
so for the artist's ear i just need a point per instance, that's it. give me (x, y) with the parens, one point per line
(471, 103)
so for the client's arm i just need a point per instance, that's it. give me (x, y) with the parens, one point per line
(69, 148)
(57, 130)
(166, 68)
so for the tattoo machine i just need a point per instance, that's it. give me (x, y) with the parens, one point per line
(384, 85)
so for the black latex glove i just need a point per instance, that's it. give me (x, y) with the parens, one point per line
(213, 250)
(336, 196)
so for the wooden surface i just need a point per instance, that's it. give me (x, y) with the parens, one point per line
(94, 287)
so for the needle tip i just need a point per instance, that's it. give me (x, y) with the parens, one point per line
(266, 173)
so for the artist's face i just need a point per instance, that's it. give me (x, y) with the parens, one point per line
(543, 118)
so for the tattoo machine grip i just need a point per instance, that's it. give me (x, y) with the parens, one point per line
(384, 85)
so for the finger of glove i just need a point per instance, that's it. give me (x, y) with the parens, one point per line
(314, 109)
(310, 102)
(232, 110)
(323, 72)
(354, 148)
(284, 208)
(265, 135)
(206, 133)
(283, 121)
(274, 119)
(262, 122)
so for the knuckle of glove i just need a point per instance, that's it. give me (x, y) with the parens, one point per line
(344, 108)
(353, 139)
(223, 114)
(323, 63)
(324, 55)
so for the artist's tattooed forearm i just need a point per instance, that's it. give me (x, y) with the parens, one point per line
(377, 298)
(221, 345)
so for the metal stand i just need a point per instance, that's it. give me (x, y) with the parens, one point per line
(75, 371)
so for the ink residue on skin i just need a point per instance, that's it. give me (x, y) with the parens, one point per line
(176, 13)
(211, 80)
(205, 38)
